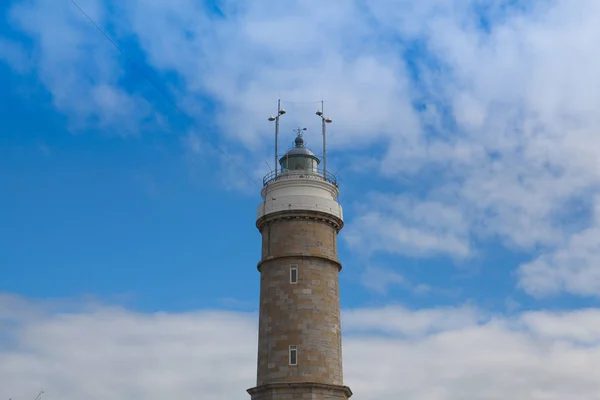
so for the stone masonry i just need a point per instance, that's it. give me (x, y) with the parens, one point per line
(305, 314)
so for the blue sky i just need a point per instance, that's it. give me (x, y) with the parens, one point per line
(464, 134)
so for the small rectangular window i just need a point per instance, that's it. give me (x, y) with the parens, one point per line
(293, 354)
(293, 274)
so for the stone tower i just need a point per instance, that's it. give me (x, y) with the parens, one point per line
(299, 341)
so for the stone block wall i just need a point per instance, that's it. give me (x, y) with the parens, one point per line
(299, 235)
(305, 314)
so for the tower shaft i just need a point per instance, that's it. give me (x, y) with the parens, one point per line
(305, 314)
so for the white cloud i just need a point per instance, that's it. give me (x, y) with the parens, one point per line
(385, 281)
(573, 268)
(79, 67)
(522, 97)
(401, 321)
(507, 140)
(404, 225)
(448, 353)
(380, 279)
(581, 326)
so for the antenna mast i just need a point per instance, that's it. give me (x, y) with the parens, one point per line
(280, 112)
(324, 145)
(324, 120)
(277, 134)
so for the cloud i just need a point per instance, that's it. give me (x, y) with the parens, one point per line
(405, 225)
(573, 268)
(379, 279)
(78, 66)
(485, 110)
(447, 353)
(400, 321)
(517, 165)
(383, 280)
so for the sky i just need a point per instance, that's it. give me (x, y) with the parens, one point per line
(464, 138)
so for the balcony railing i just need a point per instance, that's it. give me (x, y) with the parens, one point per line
(327, 177)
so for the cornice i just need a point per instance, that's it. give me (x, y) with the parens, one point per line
(289, 215)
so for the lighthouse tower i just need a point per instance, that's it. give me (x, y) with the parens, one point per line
(299, 341)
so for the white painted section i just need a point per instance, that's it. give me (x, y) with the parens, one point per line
(299, 193)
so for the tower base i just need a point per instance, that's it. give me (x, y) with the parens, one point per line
(300, 391)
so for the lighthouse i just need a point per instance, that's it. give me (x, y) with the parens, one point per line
(299, 338)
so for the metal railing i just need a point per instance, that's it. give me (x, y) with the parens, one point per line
(316, 175)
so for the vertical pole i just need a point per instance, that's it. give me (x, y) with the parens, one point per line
(277, 134)
(324, 144)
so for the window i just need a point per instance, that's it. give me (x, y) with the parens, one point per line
(293, 273)
(293, 354)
